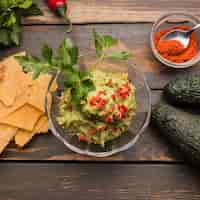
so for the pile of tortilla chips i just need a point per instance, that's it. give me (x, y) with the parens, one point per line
(22, 101)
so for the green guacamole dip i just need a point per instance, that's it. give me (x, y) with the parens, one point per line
(106, 113)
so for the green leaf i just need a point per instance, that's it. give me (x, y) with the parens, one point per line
(10, 19)
(5, 4)
(74, 55)
(79, 82)
(25, 4)
(88, 85)
(85, 74)
(77, 94)
(34, 65)
(123, 55)
(11, 12)
(76, 68)
(15, 37)
(71, 79)
(98, 41)
(64, 54)
(68, 43)
(15, 34)
(104, 42)
(47, 53)
(109, 41)
(5, 37)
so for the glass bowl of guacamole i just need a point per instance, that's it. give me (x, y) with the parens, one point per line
(112, 116)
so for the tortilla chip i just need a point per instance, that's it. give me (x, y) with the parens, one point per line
(25, 117)
(6, 135)
(1, 72)
(19, 102)
(6, 110)
(14, 80)
(42, 125)
(23, 137)
(38, 91)
(22, 103)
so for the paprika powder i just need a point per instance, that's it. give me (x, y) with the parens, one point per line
(173, 50)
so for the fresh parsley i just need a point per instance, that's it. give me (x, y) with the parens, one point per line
(104, 42)
(66, 62)
(11, 12)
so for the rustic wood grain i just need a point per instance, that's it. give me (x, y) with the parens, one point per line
(115, 11)
(150, 147)
(98, 181)
(135, 37)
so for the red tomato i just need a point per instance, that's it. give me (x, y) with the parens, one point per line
(122, 108)
(108, 119)
(92, 131)
(82, 138)
(118, 115)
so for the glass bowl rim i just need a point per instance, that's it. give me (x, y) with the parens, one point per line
(100, 154)
(164, 61)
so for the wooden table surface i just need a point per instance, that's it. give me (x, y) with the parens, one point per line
(152, 169)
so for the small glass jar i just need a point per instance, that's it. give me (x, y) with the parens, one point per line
(170, 20)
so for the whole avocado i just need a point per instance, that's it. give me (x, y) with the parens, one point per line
(180, 127)
(185, 90)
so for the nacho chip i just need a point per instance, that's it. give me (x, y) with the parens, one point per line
(14, 80)
(23, 137)
(42, 125)
(1, 72)
(38, 91)
(6, 110)
(6, 135)
(19, 102)
(25, 117)
(22, 102)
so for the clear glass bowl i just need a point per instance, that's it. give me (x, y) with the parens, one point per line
(139, 123)
(170, 20)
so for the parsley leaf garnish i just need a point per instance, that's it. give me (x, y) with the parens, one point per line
(66, 62)
(104, 42)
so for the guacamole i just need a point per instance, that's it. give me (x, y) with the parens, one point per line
(107, 111)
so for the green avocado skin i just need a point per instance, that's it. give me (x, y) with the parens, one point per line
(180, 127)
(185, 90)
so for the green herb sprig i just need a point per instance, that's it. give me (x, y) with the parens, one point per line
(65, 61)
(11, 13)
(102, 43)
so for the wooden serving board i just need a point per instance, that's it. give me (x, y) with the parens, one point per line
(150, 147)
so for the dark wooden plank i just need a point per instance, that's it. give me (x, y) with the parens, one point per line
(134, 36)
(98, 181)
(116, 11)
(150, 147)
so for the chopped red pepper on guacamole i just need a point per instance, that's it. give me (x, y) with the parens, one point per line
(106, 113)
